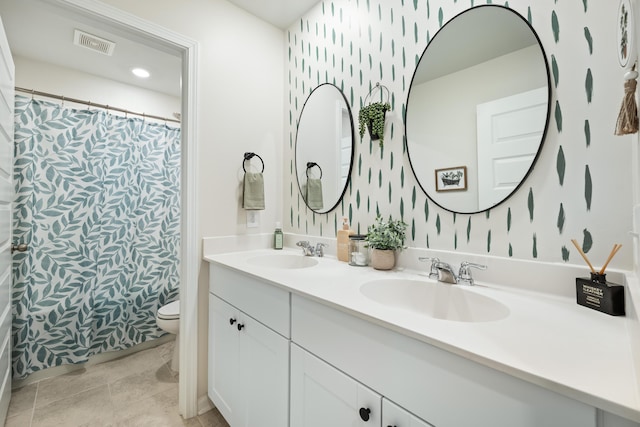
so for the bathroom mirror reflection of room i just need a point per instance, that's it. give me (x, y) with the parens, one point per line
(488, 72)
(324, 148)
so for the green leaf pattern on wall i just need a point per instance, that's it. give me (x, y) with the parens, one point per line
(588, 187)
(98, 202)
(555, 71)
(558, 116)
(587, 132)
(561, 165)
(587, 36)
(555, 26)
(588, 85)
(388, 40)
(587, 241)
(561, 218)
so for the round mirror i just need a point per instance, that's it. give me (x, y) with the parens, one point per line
(478, 109)
(324, 148)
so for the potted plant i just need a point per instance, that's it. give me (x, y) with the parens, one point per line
(384, 238)
(372, 117)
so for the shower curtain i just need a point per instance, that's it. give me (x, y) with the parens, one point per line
(98, 202)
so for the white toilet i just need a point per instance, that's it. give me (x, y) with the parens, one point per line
(168, 319)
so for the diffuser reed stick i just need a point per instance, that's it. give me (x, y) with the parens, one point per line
(584, 256)
(614, 251)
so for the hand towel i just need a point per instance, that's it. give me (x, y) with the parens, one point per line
(314, 193)
(253, 194)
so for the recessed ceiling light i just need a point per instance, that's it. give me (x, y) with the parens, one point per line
(140, 72)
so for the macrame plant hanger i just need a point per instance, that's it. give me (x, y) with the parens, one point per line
(627, 122)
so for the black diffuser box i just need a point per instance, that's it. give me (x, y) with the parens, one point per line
(598, 294)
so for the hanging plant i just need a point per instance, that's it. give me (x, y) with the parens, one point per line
(372, 117)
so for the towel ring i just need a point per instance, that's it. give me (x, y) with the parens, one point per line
(312, 164)
(379, 87)
(249, 156)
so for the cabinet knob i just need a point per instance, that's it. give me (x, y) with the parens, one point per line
(232, 321)
(364, 414)
(240, 326)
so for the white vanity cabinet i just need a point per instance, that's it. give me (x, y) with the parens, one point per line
(248, 360)
(440, 387)
(281, 359)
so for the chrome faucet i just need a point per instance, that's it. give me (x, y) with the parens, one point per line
(464, 275)
(308, 250)
(443, 272)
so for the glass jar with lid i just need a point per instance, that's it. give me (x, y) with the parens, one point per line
(358, 252)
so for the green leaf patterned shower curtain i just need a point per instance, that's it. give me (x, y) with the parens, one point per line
(98, 203)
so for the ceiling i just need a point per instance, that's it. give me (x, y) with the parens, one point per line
(476, 36)
(280, 13)
(40, 31)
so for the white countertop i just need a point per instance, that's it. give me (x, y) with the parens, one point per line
(547, 340)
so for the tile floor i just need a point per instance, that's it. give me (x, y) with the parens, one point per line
(134, 391)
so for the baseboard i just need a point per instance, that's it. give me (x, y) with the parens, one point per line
(204, 404)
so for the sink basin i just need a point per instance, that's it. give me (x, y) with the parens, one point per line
(283, 261)
(436, 300)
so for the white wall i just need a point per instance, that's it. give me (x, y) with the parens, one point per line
(45, 77)
(240, 108)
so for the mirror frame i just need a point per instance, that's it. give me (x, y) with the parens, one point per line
(351, 159)
(547, 120)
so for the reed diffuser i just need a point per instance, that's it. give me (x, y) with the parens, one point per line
(595, 292)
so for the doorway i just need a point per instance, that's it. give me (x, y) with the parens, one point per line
(131, 26)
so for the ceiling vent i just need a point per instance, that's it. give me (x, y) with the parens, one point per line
(95, 43)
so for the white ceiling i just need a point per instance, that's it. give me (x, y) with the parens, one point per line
(280, 13)
(38, 30)
(42, 32)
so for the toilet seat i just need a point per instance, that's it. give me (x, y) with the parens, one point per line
(170, 311)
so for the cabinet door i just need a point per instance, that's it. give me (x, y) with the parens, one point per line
(395, 416)
(322, 396)
(264, 376)
(224, 356)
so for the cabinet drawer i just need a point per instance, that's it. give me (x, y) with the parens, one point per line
(265, 303)
(440, 387)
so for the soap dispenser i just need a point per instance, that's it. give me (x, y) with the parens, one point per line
(343, 240)
(278, 237)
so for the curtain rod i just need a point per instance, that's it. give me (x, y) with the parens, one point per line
(92, 104)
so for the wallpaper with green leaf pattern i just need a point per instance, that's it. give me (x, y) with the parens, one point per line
(98, 202)
(580, 187)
